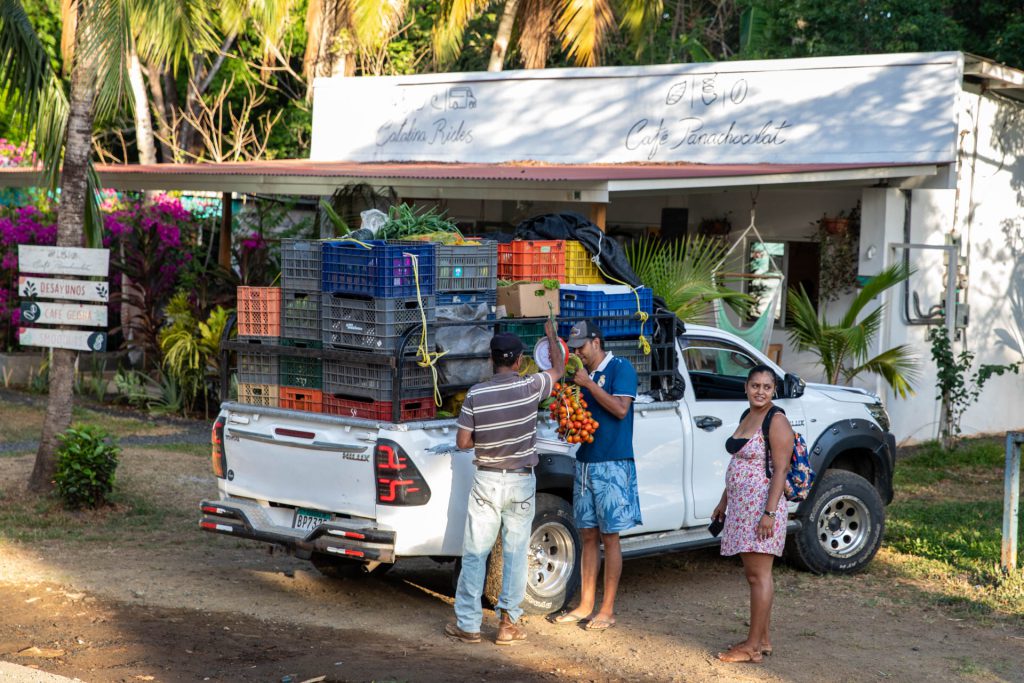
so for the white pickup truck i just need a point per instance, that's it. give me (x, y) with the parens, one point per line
(355, 492)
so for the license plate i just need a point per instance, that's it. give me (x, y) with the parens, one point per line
(309, 519)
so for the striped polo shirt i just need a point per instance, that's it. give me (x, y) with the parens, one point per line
(502, 415)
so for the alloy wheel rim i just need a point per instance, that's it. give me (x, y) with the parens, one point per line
(551, 559)
(842, 526)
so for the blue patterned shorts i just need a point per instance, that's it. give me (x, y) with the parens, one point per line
(605, 496)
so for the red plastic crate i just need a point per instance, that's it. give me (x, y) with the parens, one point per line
(294, 398)
(353, 406)
(532, 260)
(259, 311)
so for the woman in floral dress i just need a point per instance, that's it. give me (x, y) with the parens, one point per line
(754, 508)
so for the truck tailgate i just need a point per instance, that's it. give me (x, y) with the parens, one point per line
(300, 463)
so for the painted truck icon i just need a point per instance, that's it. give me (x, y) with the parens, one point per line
(461, 98)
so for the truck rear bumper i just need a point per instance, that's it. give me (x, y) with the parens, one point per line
(247, 519)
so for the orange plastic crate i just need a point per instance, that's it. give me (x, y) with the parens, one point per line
(532, 260)
(310, 400)
(579, 269)
(259, 311)
(264, 395)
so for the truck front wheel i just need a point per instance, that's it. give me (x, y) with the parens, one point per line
(842, 525)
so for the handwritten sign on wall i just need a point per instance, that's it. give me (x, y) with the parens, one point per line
(76, 340)
(854, 109)
(54, 288)
(63, 260)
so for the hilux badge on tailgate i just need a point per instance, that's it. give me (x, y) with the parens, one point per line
(359, 457)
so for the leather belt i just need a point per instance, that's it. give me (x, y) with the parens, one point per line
(505, 470)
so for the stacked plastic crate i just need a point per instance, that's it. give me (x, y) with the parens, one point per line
(301, 372)
(467, 275)
(259, 325)
(530, 261)
(376, 296)
(579, 268)
(603, 302)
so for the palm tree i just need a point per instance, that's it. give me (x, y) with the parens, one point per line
(683, 273)
(843, 348)
(582, 26)
(62, 126)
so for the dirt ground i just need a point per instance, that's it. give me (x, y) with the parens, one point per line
(162, 601)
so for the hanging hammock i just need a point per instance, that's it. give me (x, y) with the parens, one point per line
(758, 334)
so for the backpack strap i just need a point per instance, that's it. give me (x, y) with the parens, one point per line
(768, 444)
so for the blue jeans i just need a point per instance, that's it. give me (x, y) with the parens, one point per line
(503, 501)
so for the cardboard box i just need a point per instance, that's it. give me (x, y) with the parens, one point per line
(527, 300)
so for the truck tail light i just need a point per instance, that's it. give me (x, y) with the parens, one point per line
(217, 457)
(399, 482)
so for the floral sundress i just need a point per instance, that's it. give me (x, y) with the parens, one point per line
(747, 491)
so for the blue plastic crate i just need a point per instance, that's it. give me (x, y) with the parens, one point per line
(602, 302)
(379, 269)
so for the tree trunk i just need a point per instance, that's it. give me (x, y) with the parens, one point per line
(156, 90)
(145, 140)
(70, 214)
(503, 36)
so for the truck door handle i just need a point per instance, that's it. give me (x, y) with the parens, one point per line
(708, 423)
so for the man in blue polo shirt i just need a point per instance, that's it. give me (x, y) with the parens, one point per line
(605, 498)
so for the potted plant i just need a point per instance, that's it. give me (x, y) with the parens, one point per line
(839, 237)
(719, 225)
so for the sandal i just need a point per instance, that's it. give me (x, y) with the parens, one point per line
(739, 655)
(566, 618)
(599, 625)
(766, 650)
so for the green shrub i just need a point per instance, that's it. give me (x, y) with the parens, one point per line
(86, 461)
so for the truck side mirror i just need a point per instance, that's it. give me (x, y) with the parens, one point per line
(793, 386)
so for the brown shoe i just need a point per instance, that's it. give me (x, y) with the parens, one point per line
(509, 631)
(454, 631)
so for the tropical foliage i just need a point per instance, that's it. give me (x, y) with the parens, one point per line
(843, 348)
(86, 463)
(684, 274)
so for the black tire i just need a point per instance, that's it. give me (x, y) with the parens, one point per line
(554, 559)
(843, 521)
(341, 568)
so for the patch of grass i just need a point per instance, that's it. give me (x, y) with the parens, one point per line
(946, 527)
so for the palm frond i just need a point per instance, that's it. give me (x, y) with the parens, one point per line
(639, 16)
(168, 31)
(453, 18)
(374, 22)
(103, 47)
(898, 366)
(582, 27)
(535, 20)
(889, 277)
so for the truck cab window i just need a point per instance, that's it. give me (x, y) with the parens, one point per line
(717, 369)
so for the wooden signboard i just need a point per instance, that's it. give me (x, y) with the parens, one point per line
(53, 288)
(43, 313)
(63, 260)
(76, 340)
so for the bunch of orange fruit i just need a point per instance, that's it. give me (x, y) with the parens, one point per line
(569, 409)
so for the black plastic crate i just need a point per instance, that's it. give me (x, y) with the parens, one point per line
(631, 351)
(375, 325)
(467, 268)
(257, 367)
(300, 265)
(375, 380)
(300, 314)
(379, 268)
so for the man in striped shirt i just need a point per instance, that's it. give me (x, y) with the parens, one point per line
(499, 420)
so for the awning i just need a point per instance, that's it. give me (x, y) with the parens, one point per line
(526, 181)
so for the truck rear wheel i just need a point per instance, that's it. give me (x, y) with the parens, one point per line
(842, 525)
(553, 562)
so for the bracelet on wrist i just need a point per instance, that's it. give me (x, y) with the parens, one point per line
(770, 514)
